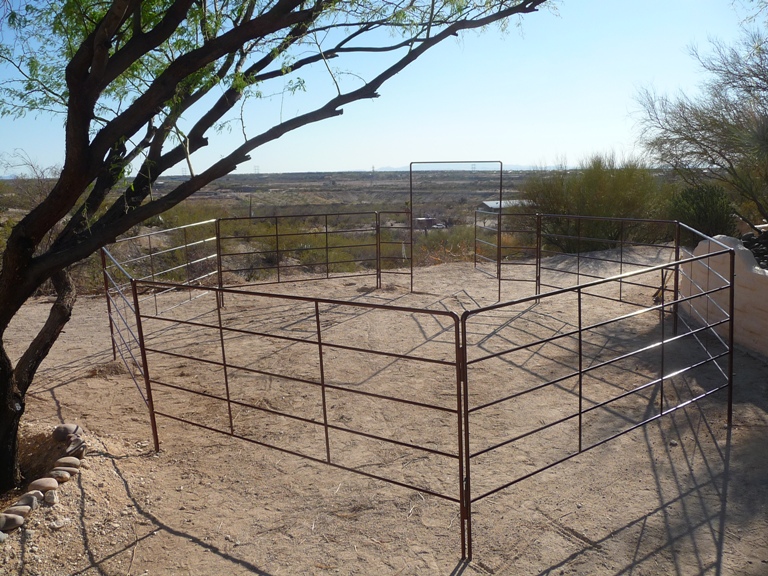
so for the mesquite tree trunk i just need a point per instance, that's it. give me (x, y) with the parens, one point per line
(122, 55)
(15, 380)
(11, 409)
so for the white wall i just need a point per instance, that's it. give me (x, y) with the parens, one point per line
(750, 293)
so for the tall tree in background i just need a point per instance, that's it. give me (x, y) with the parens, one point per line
(720, 134)
(141, 84)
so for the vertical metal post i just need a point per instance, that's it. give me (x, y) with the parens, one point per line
(322, 383)
(460, 358)
(465, 488)
(498, 233)
(676, 294)
(498, 253)
(219, 271)
(663, 346)
(145, 366)
(621, 258)
(731, 311)
(581, 368)
(225, 368)
(538, 254)
(378, 249)
(109, 303)
(474, 252)
(708, 297)
(410, 223)
(327, 251)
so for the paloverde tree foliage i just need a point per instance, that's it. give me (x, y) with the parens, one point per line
(143, 83)
(721, 134)
(604, 187)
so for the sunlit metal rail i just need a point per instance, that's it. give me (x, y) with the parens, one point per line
(603, 371)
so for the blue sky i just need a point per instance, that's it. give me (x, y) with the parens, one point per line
(557, 89)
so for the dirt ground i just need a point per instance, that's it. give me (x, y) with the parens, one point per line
(650, 502)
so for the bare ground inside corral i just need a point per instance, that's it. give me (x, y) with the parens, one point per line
(648, 502)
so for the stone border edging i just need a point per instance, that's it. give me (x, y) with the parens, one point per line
(45, 489)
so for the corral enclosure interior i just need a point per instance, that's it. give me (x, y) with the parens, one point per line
(446, 392)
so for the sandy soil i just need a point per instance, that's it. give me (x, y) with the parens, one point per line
(649, 502)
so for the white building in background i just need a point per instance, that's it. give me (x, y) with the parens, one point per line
(496, 206)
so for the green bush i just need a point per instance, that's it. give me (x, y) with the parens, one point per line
(707, 208)
(602, 188)
(436, 246)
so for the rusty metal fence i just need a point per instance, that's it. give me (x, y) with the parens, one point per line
(553, 251)
(291, 374)
(184, 255)
(455, 407)
(260, 250)
(560, 377)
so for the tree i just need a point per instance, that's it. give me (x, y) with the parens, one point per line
(706, 208)
(603, 187)
(141, 84)
(721, 134)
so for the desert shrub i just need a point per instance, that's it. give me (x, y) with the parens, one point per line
(395, 250)
(603, 188)
(254, 244)
(707, 208)
(436, 246)
(5, 232)
(342, 262)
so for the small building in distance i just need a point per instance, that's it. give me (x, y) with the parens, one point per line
(495, 206)
(424, 223)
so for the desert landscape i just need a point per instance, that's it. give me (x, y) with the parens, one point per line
(650, 502)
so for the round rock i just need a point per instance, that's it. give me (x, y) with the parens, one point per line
(67, 469)
(61, 431)
(44, 484)
(52, 497)
(76, 448)
(67, 462)
(60, 476)
(31, 499)
(22, 511)
(10, 522)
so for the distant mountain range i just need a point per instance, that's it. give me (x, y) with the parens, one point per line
(481, 165)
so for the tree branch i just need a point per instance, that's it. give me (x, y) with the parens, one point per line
(58, 316)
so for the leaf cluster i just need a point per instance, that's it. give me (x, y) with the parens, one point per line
(706, 208)
(602, 187)
(143, 84)
(720, 134)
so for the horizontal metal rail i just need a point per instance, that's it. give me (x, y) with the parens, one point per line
(459, 362)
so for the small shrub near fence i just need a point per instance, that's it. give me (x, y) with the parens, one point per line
(437, 246)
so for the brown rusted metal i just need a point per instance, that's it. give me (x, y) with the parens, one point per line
(321, 380)
(278, 238)
(712, 356)
(460, 363)
(145, 365)
(105, 277)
